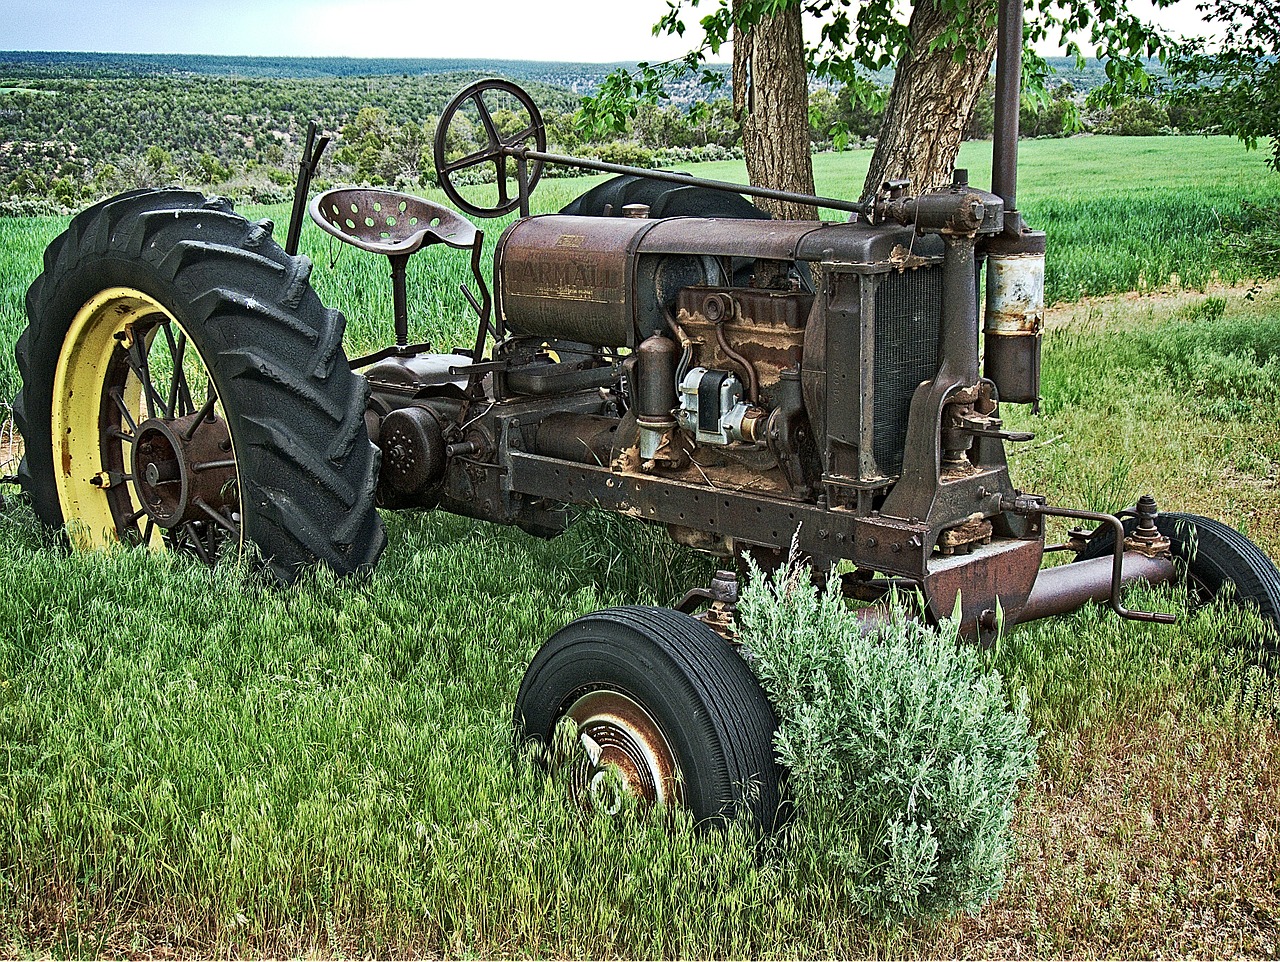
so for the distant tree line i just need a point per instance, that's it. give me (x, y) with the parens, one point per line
(66, 142)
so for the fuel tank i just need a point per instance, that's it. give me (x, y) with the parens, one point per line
(586, 279)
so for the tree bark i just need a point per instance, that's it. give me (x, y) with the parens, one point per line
(932, 98)
(771, 103)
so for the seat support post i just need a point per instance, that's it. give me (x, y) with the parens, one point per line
(400, 297)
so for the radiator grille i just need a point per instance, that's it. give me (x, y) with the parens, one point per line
(908, 317)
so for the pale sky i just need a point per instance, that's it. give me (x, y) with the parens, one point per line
(575, 30)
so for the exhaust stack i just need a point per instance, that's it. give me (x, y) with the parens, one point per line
(1014, 324)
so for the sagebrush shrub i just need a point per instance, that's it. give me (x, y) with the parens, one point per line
(904, 754)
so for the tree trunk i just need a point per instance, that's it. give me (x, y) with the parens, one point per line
(771, 102)
(931, 101)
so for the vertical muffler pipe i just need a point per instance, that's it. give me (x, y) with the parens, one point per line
(1014, 323)
(1013, 327)
(1004, 144)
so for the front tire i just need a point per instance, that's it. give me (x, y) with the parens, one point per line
(665, 704)
(258, 434)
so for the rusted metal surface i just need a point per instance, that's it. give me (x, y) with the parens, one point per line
(903, 258)
(865, 246)
(1071, 586)
(854, 423)
(1004, 144)
(388, 222)
(1146, 538)
(1014, 318)
(1034, 505)
(413, 451)
(766, 327)
(183, 468)
(723, 588)
(721, 598)
(398, 225)
(584, 438)
(960, 210)
(767, 239)
(498, 147)
(963, 537)
(675, 177)
(312, 150)
(892, 545)
(570, 277)
(622, 751)
(992, 574)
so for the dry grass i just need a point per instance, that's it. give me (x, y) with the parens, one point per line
(10, 447)
(1168, 845)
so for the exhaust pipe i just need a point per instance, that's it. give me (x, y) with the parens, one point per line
(1014, 324)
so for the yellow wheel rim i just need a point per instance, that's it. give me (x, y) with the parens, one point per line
(99, 405)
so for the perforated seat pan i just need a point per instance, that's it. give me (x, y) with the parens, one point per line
(389, 222)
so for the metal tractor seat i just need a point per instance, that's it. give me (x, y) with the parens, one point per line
(398, 225)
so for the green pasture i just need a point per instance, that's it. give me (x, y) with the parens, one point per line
(195, 762)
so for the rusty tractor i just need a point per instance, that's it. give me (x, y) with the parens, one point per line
(660, 349)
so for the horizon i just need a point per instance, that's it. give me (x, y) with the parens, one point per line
(553, 31)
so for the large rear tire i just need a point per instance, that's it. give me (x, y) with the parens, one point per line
(183, 386)
(664, 199)
(664, 704)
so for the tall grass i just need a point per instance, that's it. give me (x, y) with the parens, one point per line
(193, 761)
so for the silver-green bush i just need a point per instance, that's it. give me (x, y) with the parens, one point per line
(904, 754)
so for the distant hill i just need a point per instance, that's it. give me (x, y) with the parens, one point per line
(22, 63)
(581, 78)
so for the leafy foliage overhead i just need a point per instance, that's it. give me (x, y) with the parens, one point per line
(860, 38)
(1241, 74)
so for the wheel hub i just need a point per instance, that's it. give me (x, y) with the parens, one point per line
(183, 468)
(623, 752)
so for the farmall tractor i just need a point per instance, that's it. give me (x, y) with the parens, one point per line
(658, 349)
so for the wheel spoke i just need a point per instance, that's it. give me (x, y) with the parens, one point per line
(117, 395)
(221, 520)
(486, 120)
(212, 465)
(141, 368)
(503, 197)
(470, 160)
(179, 394)
(521, 137)
(189, 530)
(206, 411)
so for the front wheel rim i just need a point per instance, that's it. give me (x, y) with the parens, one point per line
(622, 751)
(135, 457)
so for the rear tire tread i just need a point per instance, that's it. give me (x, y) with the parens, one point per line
(272, 347)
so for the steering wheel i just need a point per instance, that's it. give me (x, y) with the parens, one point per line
(496, 148)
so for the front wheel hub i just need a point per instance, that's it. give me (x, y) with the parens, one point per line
(624, 751)
(183, 468)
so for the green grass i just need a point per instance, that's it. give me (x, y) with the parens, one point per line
(191, 761)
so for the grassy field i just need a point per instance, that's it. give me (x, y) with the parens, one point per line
(196, 763)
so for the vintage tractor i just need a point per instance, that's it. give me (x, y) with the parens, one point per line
(660, 350)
